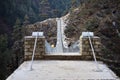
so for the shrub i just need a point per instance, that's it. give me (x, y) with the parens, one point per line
(69, 31)
(92, 24)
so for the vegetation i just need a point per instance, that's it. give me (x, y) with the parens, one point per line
(14, 16)
(5, 57)
(92, 24)
(98, 16)
(91, 15)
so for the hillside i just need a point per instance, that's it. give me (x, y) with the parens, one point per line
(36, 10)
(101, 17)
(48, 26)
(16, 14)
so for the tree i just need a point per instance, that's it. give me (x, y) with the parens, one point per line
(26, 20)
(4, 56)
(74, 3)
(17, 30)
(17, 46)
(44, 9)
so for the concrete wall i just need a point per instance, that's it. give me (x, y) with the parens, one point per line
(85, 48)
(29, 45)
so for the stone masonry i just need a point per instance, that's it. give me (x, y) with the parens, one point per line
(85, 48)
(29, 45)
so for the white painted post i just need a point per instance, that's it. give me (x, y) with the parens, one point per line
(93, 51)
(33, 52)
(36, 34)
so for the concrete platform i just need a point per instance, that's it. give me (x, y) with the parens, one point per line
(62, 70)
(64, 56)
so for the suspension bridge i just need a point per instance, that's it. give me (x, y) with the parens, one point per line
(56, 69)
(61, 46)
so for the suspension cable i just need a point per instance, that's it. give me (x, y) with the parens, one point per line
(33, 52)
(93, 52)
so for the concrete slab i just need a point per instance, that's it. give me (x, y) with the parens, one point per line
(67, 54)
(62, 70)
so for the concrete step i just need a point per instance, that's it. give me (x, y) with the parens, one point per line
(66, 56)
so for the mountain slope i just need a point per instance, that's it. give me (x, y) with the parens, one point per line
(14, 14)
(101, 17)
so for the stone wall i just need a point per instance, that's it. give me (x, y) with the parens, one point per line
(85, 48)
(29, 45)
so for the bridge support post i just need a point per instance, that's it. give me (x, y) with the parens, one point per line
(85, 48)
(29, 45)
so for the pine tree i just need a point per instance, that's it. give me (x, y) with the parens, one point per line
(17, 46)
(17, 30)
(4, 54)
(26, 20)
(74, 3)
(44, 9)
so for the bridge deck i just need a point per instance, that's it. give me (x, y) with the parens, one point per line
(62, 70)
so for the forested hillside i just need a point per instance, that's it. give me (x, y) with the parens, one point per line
(103, 18)
(36, 10)
(15, 14)
(100, 16)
